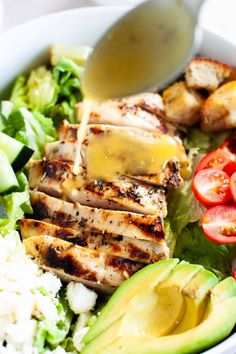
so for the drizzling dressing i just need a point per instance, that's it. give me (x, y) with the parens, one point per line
(81, 132)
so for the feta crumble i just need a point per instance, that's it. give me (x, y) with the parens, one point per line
(80, 298)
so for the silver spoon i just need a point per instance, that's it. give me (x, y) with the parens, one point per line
(145, 50)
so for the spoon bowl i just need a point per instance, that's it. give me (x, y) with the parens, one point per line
(145, 50)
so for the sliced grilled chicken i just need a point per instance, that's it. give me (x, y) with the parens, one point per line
(77, 216)
(169, 177)
(72, 262)
(137, 250)
(66, 149)
(142, 111)
(56, 178)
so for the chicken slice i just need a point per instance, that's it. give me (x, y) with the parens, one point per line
(66, 150)
(205, 73)
(182, 105)
(218, 111)
(143, 111)
(56, 178)
(77, 216)
(74, 263)
(137, 250)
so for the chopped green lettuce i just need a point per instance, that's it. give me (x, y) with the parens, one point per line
(15, 204)
(51, 334)
(31, 128)
(42, 89)
(19, 96)
(53, 92)
(204, 142)
(67, 75)
(194, 247)
(183, 208)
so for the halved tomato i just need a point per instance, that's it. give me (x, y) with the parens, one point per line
(219, 224)
(216, 159)
(232, 184)
(211, 187)
(230, 168)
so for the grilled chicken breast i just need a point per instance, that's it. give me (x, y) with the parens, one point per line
(56, 178)
(66, 150)
(144, 111)
(137, 250)
(72, 262)
(77, 216)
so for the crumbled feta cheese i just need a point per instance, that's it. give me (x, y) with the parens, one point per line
(21, 301)
(80, 298)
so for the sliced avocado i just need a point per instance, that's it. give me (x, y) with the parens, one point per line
(225, 289)
(196, 295)
(170, 303)
(155, 307)
(118, 305)
(133, 333)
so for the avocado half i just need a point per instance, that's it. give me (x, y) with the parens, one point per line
(167, 307)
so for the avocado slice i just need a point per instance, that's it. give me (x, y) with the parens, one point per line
(118, 304)
(126, 333)
(196, 295)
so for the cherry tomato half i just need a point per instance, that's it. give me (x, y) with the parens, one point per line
(219, 224)
(232, 184)
(230, 168)
(211, 187)
(216, 159)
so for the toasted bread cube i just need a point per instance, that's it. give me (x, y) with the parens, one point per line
(205, 73)
(219, 110)
(182, 105)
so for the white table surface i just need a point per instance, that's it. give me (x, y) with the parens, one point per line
(217, 15)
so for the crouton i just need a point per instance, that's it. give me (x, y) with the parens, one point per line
(205, 73)
(182, 105)
(219, 110)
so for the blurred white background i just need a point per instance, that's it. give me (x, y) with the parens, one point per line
(217, 15)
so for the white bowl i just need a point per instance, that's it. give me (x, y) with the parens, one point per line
(27, 45)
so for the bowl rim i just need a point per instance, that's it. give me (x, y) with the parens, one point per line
(226, 346)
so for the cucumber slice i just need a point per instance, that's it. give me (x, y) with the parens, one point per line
(18, 154)
(8, 181)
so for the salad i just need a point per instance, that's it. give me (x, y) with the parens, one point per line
(160, 226)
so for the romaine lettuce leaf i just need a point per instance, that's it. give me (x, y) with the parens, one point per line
(31, 128)
(42, 89)
(194, 247)
(16, 204)
(183, 208)
(205, 142)
(67, 75)
(19, 96)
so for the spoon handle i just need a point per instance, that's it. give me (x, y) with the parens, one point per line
(194, 6)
